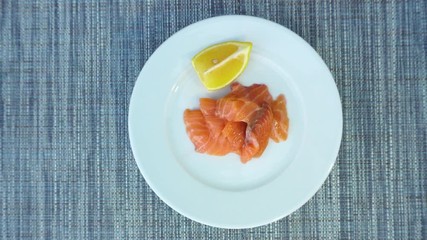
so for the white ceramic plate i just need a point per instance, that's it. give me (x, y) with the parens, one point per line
(221, 191)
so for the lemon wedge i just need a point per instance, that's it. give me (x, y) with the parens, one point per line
(220, 64)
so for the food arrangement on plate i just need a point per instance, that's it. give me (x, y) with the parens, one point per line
(188, 129)
(240, 122)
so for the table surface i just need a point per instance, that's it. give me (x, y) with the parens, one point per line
(67, 69)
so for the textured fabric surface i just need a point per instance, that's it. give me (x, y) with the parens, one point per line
(67, 69)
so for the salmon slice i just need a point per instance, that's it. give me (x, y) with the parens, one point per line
(261, 126)
(218, 146)
(215, 125)
(257, 133)
(235, 134)
(235, 109)
(257, 93)
(202, 138)
(197, 130)
(207, 106)
(279, 131)
(250, 147)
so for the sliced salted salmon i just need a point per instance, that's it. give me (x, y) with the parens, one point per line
(279, 131)
(261, 127)
(257, 133)
(235, 134)
(215, 125)
(218, 146)
(250, 147)
(197, 129)
(202, 138)
(235, 109)
(257, 93)
(240, 122)
(207, 106)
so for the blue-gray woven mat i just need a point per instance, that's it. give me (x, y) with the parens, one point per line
(67, 69)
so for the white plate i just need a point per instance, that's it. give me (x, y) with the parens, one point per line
(221, 191)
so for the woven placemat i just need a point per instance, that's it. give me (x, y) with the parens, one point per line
(67, 69)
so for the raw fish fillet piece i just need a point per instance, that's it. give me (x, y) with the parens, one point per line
(200, 135)
(235, 109)
(197, 130)
(257, 133)
(279, 131)
(207, 106)
(257, 93)
(235, 133)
